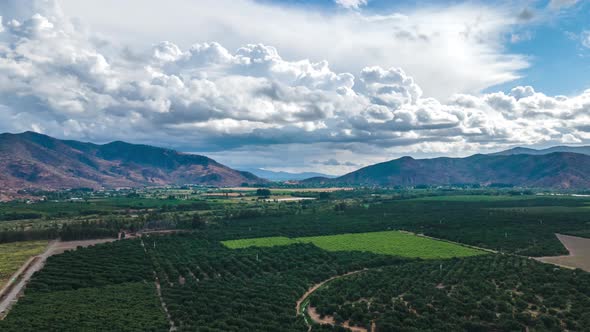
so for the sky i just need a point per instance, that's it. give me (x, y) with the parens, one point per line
(299, 85)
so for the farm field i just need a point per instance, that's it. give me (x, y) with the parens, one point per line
(392, 243)
(483, 293)
(475, 198)
(230, 265)
(579, 253)
(14, 255)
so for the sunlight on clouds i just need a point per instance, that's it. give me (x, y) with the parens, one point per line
(208, 98)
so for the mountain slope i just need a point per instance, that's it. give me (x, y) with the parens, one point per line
(31, 160)
(555, 170)
(285, 176)
(521, 150)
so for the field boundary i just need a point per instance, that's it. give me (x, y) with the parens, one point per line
(453, 242)
(579, 254)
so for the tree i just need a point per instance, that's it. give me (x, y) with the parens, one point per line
(263, 192)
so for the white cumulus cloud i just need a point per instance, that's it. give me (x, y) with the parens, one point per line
(351, 3)
(61, 80)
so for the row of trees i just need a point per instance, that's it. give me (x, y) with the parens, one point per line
(526, 227)
(488, 293)
(107, 287)
(209, 287)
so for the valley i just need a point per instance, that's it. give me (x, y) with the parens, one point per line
(189, 261)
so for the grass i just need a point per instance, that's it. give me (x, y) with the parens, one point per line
(392, 243)
(14, 255)
(260, 242)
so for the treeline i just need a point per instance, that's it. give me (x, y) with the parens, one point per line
(523, 226)
(29, 235)
(9, 216)
(105, 228)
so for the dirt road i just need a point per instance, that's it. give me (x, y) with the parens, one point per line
(311, 311)
(159, 293)
(579, 256)
(13, 289)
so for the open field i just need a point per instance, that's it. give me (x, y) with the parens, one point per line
(391, 243)
(579, 256)
(14, 255)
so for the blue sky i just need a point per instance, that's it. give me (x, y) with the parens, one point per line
(559, 62)
(299, 85)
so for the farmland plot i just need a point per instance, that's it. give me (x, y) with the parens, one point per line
(391, 243)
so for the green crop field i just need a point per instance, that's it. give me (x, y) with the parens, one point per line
(260, 242)
(13, 255)
(391, 243)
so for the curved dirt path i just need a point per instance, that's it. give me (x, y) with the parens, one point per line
(327, 319)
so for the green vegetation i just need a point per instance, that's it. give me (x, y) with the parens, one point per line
(510, 226)
(260, 242)
(14, 255)
(241, 263)
(119, 307)
(210, 287)
(103, 287)
(386, 243)
(485, 293)
(476, 198)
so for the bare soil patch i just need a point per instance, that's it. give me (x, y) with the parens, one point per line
(330, 321)
(579, 256)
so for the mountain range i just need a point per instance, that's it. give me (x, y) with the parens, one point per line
(285, 176)
(32, 160)
(563, 170)
(522, 150)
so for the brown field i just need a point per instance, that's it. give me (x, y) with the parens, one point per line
(579, 256)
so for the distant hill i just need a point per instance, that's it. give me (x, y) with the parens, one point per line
(554, 170)
(521, 150)
(31, 160)
(285, 176)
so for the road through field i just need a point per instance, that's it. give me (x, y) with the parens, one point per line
(11, 292)
(18, 281)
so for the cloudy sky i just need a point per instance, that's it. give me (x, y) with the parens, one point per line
(299, 85)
